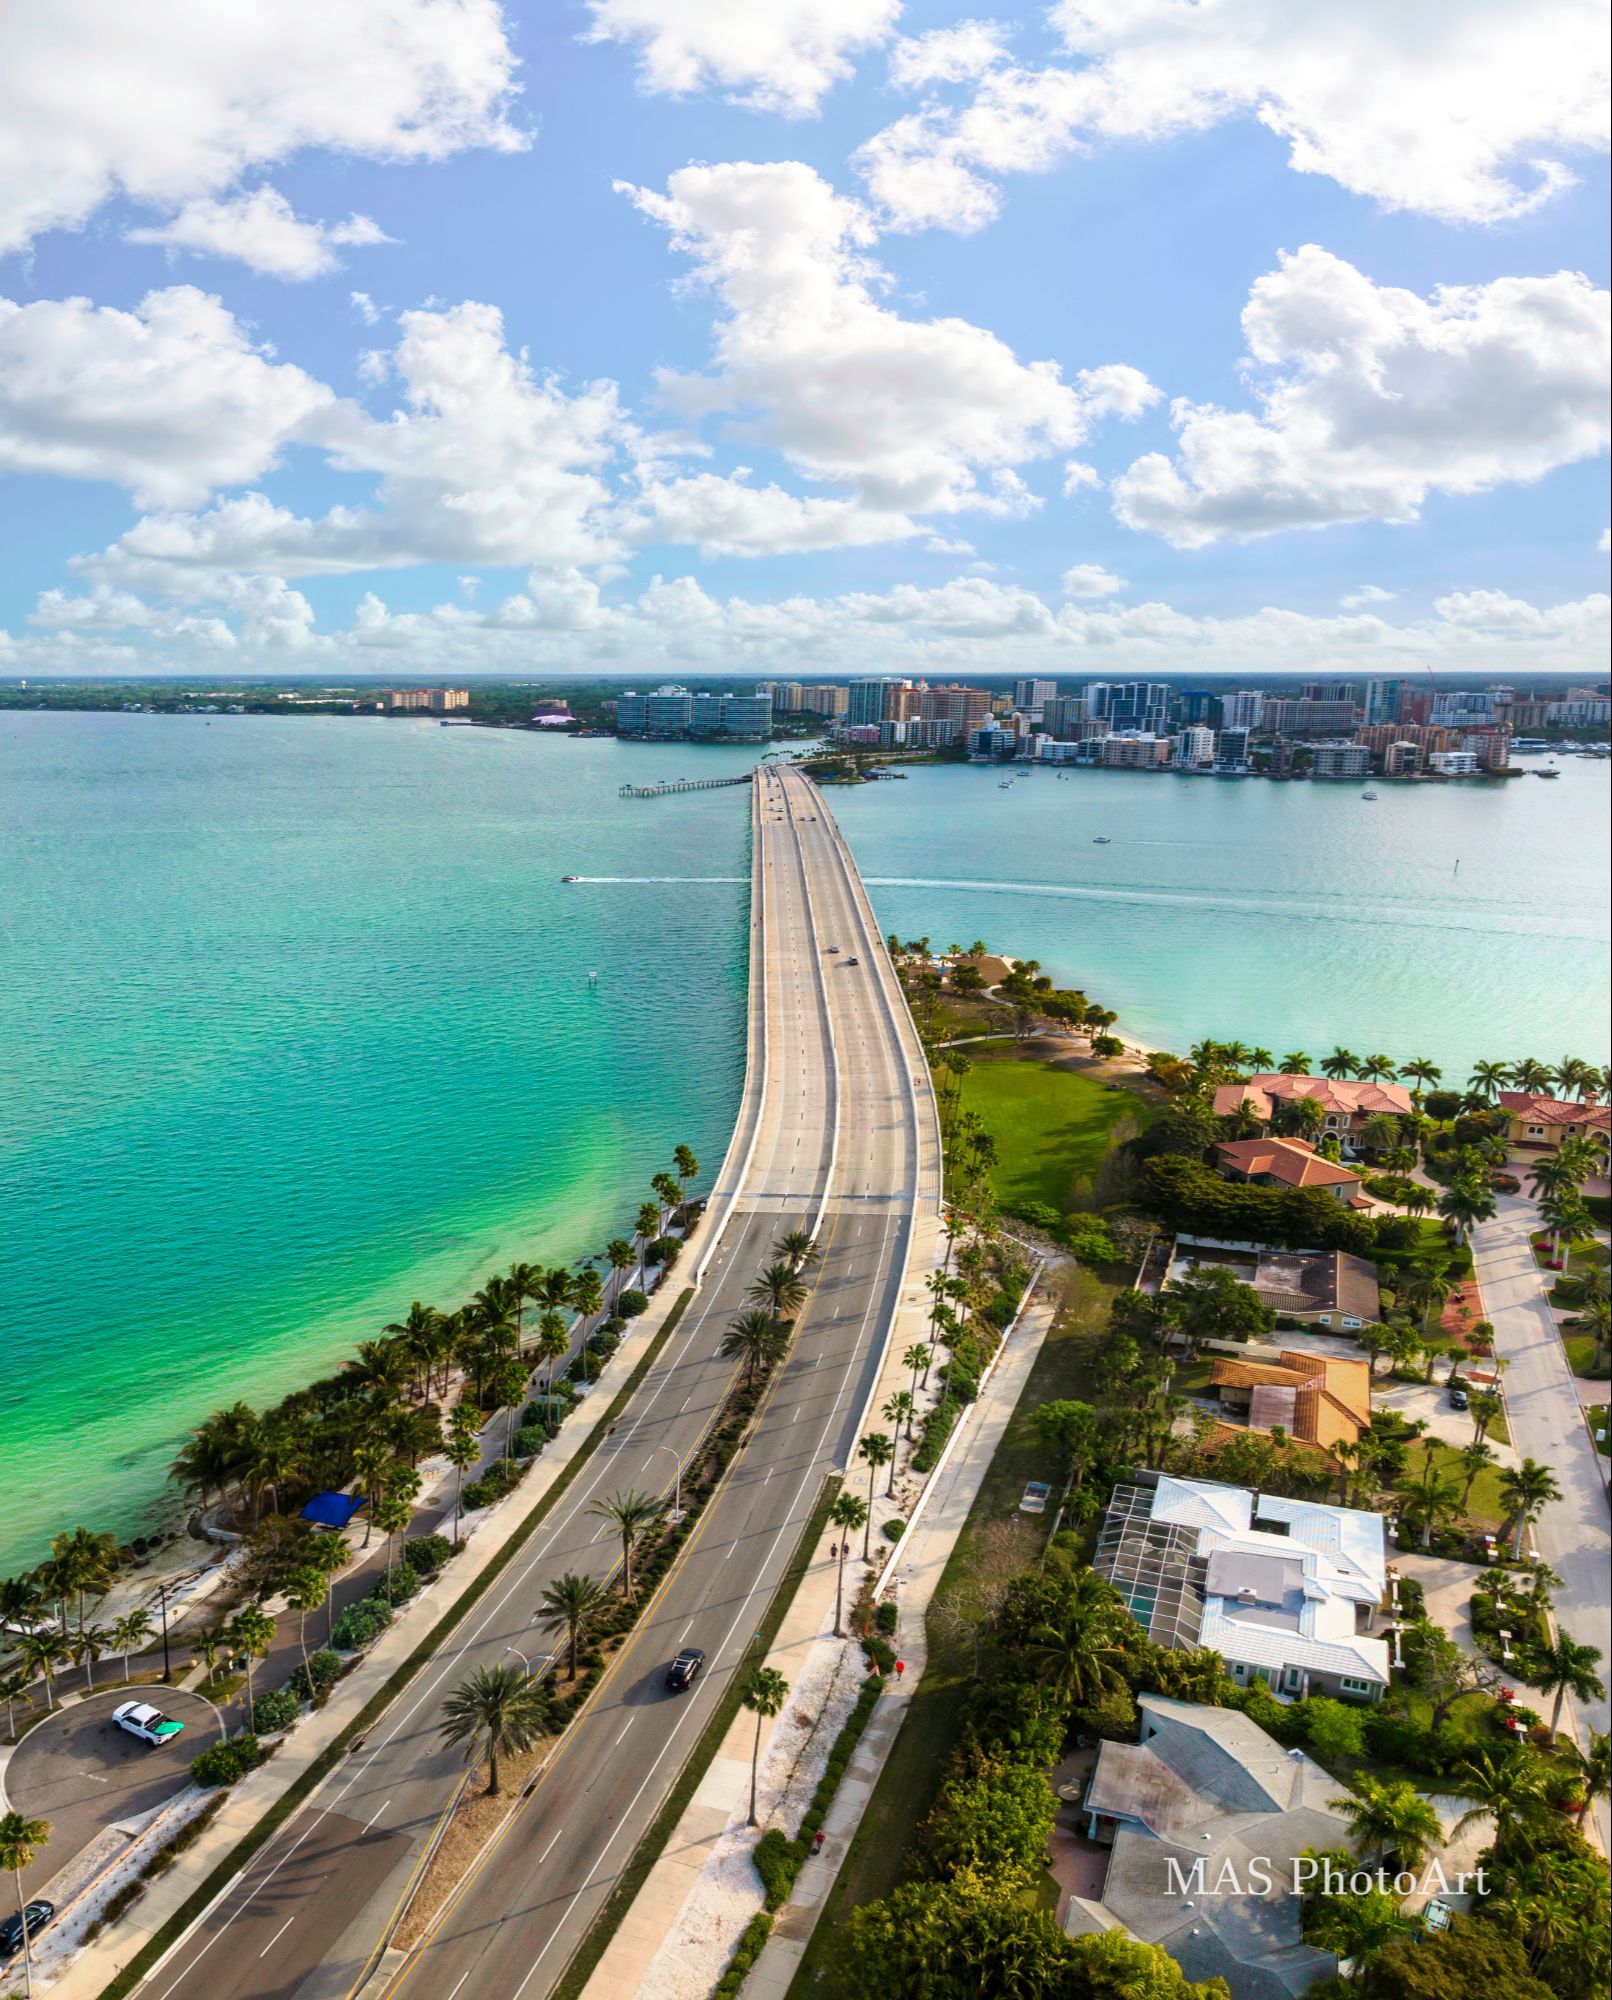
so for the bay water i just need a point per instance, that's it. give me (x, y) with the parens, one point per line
(296, 1022)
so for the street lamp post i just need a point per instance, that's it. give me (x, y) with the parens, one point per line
(162, 1605)
(526, 1663)
(676, 1514)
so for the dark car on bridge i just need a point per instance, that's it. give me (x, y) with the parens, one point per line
(681, 1673)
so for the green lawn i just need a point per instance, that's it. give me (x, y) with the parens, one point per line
(1581, 1352)
(1052, 1127)
(1485, 1507)
(879, 1855)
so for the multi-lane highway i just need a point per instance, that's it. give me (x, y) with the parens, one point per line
(836, 1133)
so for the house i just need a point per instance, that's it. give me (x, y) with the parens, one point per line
(1536, 1124)
(1206, 1818)
(1318, 1399)
(1326, 1288)
(1285, 1591)
(1289, 1163)
(1347, 1104)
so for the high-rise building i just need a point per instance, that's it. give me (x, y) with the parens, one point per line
(1031, 696)
(1328, 691)
(1143, 706)
(1060, 717)
(1194, 748)
(785, 696)
(1200, 705)
(1231, 749)
(1142, 752)
(864, 703)
(1243, 710)
(1308, 715)
(1382, 701)
(1340, 760)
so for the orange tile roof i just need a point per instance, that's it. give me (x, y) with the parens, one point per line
(1332, 1399)
(1529, 1106)
(1294, 1162)
(1351, 1095)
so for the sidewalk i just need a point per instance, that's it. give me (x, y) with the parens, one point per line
(316, 1733)
(680, 1931)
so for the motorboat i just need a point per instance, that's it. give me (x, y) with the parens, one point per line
(1101, 840)
(570, 878)
(1368, 795)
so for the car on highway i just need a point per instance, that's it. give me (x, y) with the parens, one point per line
(39, 1914)
(853, 961)
(833, 947)
(140, 1719)
(683, 1670)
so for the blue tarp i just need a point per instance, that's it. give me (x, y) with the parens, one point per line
(332, 1510)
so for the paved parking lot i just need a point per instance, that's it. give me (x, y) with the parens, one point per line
(81, 1772)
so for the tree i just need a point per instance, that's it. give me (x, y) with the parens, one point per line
(1592, 1769)
(392, 1516)
(1527, 1489)
(1486, 1410)
(1488, 1079)
(305, 1591)
(1442, 1671)
(991, 1820)
(250, 1633)
(84, 1564)
(461, 1452)
(20, 1841)
(1077, 1649)
(1467, 1959)
(847, 1514)
(574, 1602)
(917, 1357)
(39, 1653)
(1069, 1428)
(629, 1513)
(1506, 1786)
(1390, 1816)
(898, 1410)
(1341, 1063)
(757, 1339)
(497, 1711)
(1423, 1074)
(1211, 1303)
(1356, 1926)
(687, 1166)
(1567, 1668)
(1474, 1457)
(132, 1630)
(874, 1450)
(1465, 1203)
(621, 1257)
(765, 1692)
(798, 1248)
(552, 1345)
(779, 1289)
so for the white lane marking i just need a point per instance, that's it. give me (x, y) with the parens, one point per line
(689, 1627)
(280, 1933)
(542, 1857)
(376, 1814)
(460, 1982)
(624, 1728)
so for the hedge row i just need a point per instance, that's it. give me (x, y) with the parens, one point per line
(745, 1953)
(778, 1859)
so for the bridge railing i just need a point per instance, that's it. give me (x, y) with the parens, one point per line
(680, 785)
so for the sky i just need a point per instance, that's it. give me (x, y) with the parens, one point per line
(432, 338)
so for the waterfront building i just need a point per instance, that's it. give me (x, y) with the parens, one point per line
(435, 701)
(1402, 760)
(1340, 760)
(823, 698)
(1194, 748)
(1459, 707)
(1243, 710)
(992, 741)
(733, 718)
(1382, 702)
(1141, 751)
(1539, 1124)
(1347, 1103)
(1580, 710)
(1491, 747)
(1032, 696)
(1200, 705)
(785, 695)
(1142, 706)
(1231, 748)
(1308, 715)
(1453, 764)
(1060, 716)
(1288, 1163)
(865, 702)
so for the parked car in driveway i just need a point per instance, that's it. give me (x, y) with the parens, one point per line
(140, 1719)
(1459, 1399)
(39, 1914)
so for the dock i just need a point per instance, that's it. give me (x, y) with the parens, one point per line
(659, 791)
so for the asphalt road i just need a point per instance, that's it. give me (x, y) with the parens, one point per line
(786, 1144)
(525, 1911)
(78, 1770)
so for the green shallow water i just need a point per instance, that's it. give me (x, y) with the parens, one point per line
(295, 1026)
(295, 1023)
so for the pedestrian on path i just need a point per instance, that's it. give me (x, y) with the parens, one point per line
(901, 1668)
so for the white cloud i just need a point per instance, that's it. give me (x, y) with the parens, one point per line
(909, 415)
(365, 307)
(170, 400)
(1091, 580)
(1605, 543)
(967, 625)
(1367, 593)
(262, 230)
(97, 99)
(1373, 397)
(1453, 108)
(772, 55)
(727, 516)
(1077, 475)
(947, 55)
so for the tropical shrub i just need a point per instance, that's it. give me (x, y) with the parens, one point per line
(745, 1953)
(631, 1304)
(274, 1711)
(427, 1553)
(223, 1763)
(322, 1672)
(529, 1440)
(361, 1623)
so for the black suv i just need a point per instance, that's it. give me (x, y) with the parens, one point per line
(680, 1674)
(39, 1914)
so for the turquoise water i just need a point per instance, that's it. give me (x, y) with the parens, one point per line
(295, 1023)
(1285, 916)
(295, 1027)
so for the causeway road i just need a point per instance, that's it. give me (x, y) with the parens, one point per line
(836, 1133)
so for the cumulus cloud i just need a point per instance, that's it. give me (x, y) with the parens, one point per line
(782, 56)
(909, 415)
(1091, 580)
(1459, 109)
(726, 515)
(967, 625)
(170, 400)
(1367, 593)
(95, 102)
(264, 231)
(947, 55)
(1370, 397)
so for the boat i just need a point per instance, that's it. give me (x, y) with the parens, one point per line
(1368, 794)
(1101, 840)
(1550, 771)
(570, 878)
(1004, 785)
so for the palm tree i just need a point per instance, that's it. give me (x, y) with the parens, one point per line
(1506, 1786)
(1474, 1457)
(1528, 1489)
(251, 1633)
(14, 1688)
(1426, 1286)
(304, 1591)
(918, 1356)
(765, 1693)
(668, 1193)
(757, 1339)
(1574, 1077)
(621, 1257)
(1530, 1076)
(1079, 1650)
(20, 1840)
(629, 1513)
(1296, 1064)
(847, 1514)
(461, 1452)
(392, 1516)
(798, 1248)
(1423, 1074)
(898, 1410)
(130, 1631)
(685, 1163)
(1390, 1815)
(1377, 1068)
(874, 1450)
(208, 1644)
(39, 1653)
(553, 1344)
(1488, 1079)
(84, 1564)
(1596, 1321)
(574, 1602)
(1341, 1062)
(497, 1711)
(87, 1645)
(779, 1288)
(1592, 1768)
(1308, 1116)
(1487, 1410)
(416, 1339)
(1466, 1202)
(1567, 1668)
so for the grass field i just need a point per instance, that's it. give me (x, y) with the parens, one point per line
(880, 1855)
(1052, 1126)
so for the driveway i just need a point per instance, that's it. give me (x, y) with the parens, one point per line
(1542, 1407)
(81, 1772)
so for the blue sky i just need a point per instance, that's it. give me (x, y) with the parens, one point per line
(806, 312)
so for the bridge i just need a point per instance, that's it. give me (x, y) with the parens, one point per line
(837, 1133)
(659, 791)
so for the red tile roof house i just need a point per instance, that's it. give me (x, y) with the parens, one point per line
(1347, 1105)
(1538, 1124)
(1289, 1163)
